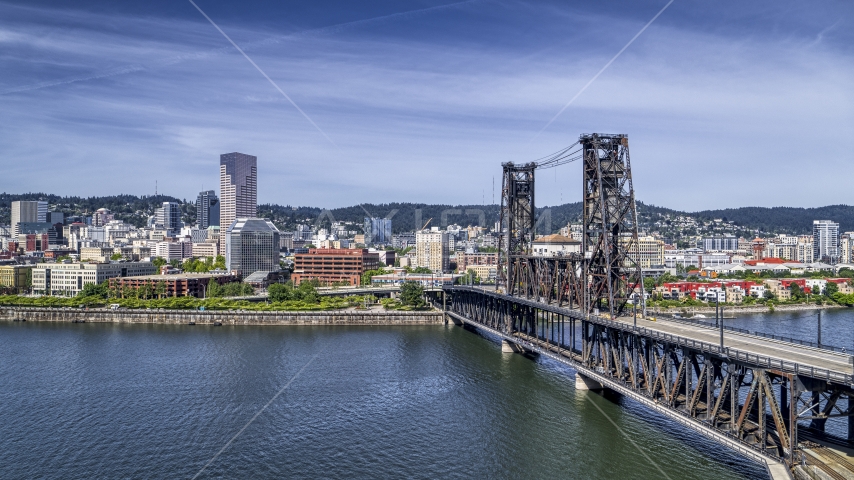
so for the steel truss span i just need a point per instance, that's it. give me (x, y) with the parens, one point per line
(775, 411)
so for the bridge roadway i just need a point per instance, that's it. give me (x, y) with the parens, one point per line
(786, 356)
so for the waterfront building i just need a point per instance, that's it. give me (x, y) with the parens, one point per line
(251, 244)
(15, 278)
(825, 234)
(332, 265)
(27, 212)
(238, 189)
(174, 285)
(431, 250)
(207, 209)
(67, 279)
(694, 257)
(377, 231)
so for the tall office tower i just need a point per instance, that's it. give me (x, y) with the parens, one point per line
(169, 218)
(825, 240)
(207, 209)
(27, 212)
(238, 189)
(377, 231)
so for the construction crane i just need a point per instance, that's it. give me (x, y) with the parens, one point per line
(428, 222)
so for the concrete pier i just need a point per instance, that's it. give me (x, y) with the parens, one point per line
(584, 383)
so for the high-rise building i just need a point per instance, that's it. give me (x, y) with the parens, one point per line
(251, 245)
(431, 250)
(825, 240)
(846, 247)
(27, 212)
(377, 231)
(238, 188)
(207, 209)
(169, 218)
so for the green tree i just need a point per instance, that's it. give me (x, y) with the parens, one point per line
(214, 289)
(412, 294)
(158, 262)
(116, 256)
(796, 291)
(368, 275)
(95, 290)
(830, 289)
(279, 292)
(421, 270)
(219, 263)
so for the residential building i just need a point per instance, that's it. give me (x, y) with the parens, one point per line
(486, 273)
(804, 252)
(825, 234)
(238, 188)
(251, 244)
(27, 212)
(377, 231)
(467, 260)
(331, 265)
(402, 240)
(431, 250)
(67, 279)
(174, 285)
(101, 217)
(846, 248)
(648, 252)
(207, 209)
(725, 243)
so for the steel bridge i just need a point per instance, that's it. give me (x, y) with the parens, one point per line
(785, 405)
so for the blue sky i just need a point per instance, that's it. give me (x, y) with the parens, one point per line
(725, 103)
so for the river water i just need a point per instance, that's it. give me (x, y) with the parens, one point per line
(160, 401)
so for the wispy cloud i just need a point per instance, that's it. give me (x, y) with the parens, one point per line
(424, 107)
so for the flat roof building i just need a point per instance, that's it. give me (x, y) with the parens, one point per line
(331, 265)
(67, 279)
(252, 244)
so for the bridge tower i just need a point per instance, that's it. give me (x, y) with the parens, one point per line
(610, 225)
(517, 222)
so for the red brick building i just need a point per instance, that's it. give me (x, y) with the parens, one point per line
(175, 285)
(330, 265)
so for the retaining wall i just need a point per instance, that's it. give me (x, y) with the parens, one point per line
(228, 317)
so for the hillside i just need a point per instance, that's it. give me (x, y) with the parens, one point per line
(745, 220)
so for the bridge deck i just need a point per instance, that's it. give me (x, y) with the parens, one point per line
(755, 345)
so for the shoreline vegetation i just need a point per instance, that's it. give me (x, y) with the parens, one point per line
(281, 297)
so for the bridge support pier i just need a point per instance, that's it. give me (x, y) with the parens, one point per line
(584, 383)
(510, 347)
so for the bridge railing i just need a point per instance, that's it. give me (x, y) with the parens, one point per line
(781, 338)
(730, 353)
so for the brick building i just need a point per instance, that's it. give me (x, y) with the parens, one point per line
(177, 285)
(334, 265)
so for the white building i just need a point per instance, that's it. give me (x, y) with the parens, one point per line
(67, 279)
(825, 234)
(170, 250)
(27, 212)
(554, 246)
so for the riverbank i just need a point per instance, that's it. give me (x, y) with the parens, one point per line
(226, 317)
(744, 309)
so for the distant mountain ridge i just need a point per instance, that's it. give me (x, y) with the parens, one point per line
(133, 209)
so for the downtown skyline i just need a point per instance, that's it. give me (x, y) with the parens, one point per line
(423, 103)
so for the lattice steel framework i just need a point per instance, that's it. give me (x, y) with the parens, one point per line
(610, 232)
(771, 407)
(517, 222)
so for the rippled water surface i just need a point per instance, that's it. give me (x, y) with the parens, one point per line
(159, 401)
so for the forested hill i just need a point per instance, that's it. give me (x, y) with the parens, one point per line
(784, 219)
(135, 210)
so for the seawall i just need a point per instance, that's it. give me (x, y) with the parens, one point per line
(226, 317)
